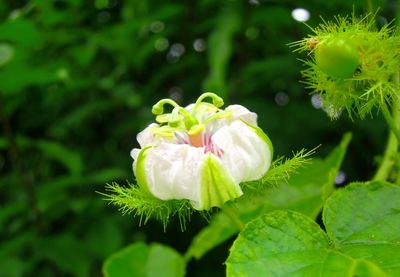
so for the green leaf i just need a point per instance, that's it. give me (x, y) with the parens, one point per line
(65, 251)
(286, 243)
(139, 259)
(54, 150)
(22, 32)
(304, 193)
(362, 239)
(363, 220)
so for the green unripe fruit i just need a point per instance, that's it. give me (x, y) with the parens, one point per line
(337, 57)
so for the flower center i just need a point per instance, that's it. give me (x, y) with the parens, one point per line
(202, 139)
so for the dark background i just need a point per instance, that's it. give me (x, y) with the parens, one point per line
(77, 82)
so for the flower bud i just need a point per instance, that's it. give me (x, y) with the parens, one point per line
(204, 155)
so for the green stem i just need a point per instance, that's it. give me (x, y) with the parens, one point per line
(233, 216)
(391, 121)
(388, 159)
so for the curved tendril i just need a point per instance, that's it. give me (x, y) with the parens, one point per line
(216, 100)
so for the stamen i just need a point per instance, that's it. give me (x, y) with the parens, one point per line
(181, 139)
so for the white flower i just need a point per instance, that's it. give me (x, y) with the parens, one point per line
(201, 153)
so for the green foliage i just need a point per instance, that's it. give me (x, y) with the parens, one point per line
(361, 238)
(305, 191)
(77, 81)
(139, 259)
(220, 44)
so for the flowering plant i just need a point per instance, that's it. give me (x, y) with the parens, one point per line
(203, 156)
(201, 153)
(199, 157)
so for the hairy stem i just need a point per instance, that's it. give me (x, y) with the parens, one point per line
(393, 122)
(233, 216)
(390, 157)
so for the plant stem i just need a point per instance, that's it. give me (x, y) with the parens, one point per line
(392, 121)
(390, 157)
(232, 214)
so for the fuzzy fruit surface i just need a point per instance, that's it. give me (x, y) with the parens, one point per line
(337, 57)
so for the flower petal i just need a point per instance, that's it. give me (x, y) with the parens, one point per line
(147, 137)
(217, 184)
(240, 112)
(247, 155)
(173, 171)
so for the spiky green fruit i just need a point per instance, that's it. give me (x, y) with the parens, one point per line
(337, 57)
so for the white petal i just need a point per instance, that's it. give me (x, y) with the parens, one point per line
(135, 153)
(240, 112)
(147, 137)
(173, 171)
(246, 155)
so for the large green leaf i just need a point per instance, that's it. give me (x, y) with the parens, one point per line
(139, 259)
(305, 192)
(362, 221)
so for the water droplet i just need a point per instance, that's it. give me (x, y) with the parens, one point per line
(300, 14)
(199, 45)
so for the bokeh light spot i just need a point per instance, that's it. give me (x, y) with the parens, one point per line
(301, 14)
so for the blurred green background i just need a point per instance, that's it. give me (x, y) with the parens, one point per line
(77, 82)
